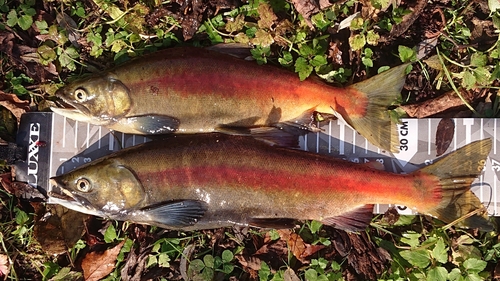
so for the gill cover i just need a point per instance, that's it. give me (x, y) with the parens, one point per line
(110, 188)
(100, 100)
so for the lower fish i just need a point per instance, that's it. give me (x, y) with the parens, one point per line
(216, 180)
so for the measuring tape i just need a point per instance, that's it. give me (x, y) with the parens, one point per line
(57, 145)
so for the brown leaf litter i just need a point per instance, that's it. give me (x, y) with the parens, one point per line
(99, 265)
(444, 135)
(15, 105)
(4, 266)
(25, 57)
(440, 104)
(57, 228)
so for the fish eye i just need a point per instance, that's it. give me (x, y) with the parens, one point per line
(80, 95)
(83, 185)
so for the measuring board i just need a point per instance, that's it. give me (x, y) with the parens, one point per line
(57, 145)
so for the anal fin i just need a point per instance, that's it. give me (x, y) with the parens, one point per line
(306, 121)
(354, 220)
(286, 133)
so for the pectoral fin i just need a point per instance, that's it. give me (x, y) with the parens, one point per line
(173, 214)
(147, 124)
(354, 220)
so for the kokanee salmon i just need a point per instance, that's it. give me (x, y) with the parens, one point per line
(194, 90)
(215, 180)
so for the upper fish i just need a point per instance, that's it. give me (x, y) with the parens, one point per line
(193, 90)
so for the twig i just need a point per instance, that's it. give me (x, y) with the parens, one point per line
(447, 73)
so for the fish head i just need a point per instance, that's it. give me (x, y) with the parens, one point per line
(104, 189)
(99, 100)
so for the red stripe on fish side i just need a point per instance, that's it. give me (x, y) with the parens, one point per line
(243, 80)
(375, 186)
(219, 83)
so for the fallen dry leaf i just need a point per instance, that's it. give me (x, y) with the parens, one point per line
(7, 42)
(368, 10)
(272, 252)
(57, 228)
(22, 56)
(426, 47)
(185, 258)
(250, 262)
(311, 250)
(98, 265)
(365, 260)
(307, 8)
(297, 246)
(14, 104)
(68, 24)
(19, 189)
(4, 266)
(335, 54)
(444, 135)
(408, 20)
(483, 31)
(284, 234)
(6, 181)
(135, 266)
(391, 216)
(278, 248)
(290, 275)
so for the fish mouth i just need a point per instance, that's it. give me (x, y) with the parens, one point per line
(79, 113)
(59, 195)
(61, 101)
(70, 110)
(72, 113)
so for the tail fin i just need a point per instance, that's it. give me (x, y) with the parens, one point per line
(376, 126)
(456, 172)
